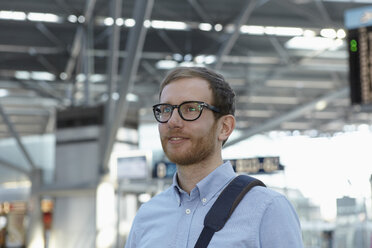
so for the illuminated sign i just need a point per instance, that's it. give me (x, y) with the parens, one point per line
(164, 170)
(257, 165)
(248, 165)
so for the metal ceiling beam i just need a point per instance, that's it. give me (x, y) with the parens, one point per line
(17, 138)
(232, 38)
(14, 167)
(65, 7)
(87, 60)
(113, 61)
(27, 49)
(168, 41)
(302, 12)
(76, 46)
(323, 12)
(136, 39)
(279, 49)
(200, 11)
(269, 125)
(49, 35)
(42, 89)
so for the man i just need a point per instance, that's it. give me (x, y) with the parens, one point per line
(196, 117)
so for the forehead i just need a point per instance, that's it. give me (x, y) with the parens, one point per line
(186, 89)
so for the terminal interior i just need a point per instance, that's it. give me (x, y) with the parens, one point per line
(79, 147)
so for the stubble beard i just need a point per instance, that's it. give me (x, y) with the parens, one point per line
(202, 148)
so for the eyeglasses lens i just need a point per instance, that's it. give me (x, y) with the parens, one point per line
(189, 111)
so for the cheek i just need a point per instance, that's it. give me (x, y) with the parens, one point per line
(162, 129)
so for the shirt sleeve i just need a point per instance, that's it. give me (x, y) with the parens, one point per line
(280, 226)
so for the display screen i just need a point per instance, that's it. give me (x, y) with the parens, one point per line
(132, 167)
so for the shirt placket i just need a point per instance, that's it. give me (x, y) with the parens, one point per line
(187, 208)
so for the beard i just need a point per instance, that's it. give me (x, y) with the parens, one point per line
(201, 148)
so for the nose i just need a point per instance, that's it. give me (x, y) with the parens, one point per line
(175, 120)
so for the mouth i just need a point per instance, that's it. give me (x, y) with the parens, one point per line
(176, 139)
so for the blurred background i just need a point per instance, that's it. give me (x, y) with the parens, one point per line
(79, 148)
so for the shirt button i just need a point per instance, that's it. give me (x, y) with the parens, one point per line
(188, 211)
(204, 200)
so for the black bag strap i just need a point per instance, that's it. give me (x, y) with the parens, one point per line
(224, 206)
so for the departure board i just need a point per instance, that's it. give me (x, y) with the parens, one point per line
(359, 25)
(360, 65)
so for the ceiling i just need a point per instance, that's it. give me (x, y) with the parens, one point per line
(75, 57)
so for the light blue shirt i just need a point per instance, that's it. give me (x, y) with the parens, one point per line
(174, 219)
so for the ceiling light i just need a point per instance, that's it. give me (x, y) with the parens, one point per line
(309, 33)
(81, 77)
(230, 28)
(4, 92)
(132, 97)
(210, 59)
(129, 22)
(42, 75)
(81, 19)
(255, 30)
(177, 57)
(17, 184)
(205, 26)
(119, 21)
(147, 24)
(199, 59)
(72, 18)
(187, 57)
(341, 34)
(22, 75)
(12, 15)
(312, 43)
(95, 78)
(43, 17)
(168, 25)
(205, 59)
(109, 21)
(321, 105)
(63, 75)
(189, 64)
(218, 27)
(328, 33)
(115, 96)
(283, 31)
(166, 64)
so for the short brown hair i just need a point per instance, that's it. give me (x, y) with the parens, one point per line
(223, 94)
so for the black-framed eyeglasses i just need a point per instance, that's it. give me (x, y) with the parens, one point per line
(189, 111)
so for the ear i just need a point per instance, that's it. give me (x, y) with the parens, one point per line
(227, 125)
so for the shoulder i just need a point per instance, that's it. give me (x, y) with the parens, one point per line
(264, 195)
(157, 203)
(265, 202)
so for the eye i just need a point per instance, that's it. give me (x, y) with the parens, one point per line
(191, 107)
(166, 109)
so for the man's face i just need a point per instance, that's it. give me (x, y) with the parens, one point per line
(188, 142)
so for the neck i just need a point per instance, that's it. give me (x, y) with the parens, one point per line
(189, 175)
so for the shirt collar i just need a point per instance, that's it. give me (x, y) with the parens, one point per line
(215, 182)
(210, 185)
